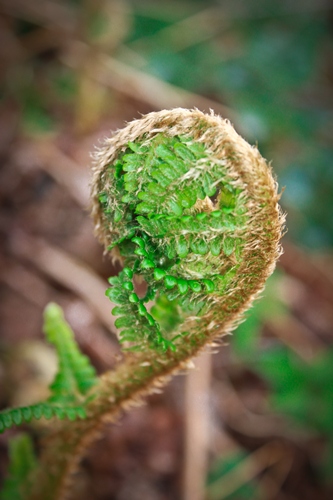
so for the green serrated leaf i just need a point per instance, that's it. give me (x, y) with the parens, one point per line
(74, 368)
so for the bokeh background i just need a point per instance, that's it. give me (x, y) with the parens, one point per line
(255, 420)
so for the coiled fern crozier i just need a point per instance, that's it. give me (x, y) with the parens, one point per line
(192, 210)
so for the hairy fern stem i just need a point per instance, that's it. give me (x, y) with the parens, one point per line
(192, 209)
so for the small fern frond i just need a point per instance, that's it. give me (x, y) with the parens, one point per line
(72, 382)
(75, 373)
(24, 414)
(22, 463)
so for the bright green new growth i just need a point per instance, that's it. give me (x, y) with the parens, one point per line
(22, 463)
(72, 382)
(75, 373)
(175, 213)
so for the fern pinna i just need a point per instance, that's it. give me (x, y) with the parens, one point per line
(191, 209)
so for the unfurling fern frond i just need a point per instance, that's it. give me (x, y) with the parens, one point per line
(191, 209)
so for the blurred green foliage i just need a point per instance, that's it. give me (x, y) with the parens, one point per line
(300, 390)
(223, 466)
(270, 63)
(22, 463)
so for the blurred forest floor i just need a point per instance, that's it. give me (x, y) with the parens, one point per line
(255, 420)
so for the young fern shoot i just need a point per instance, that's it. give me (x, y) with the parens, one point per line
(192, 209)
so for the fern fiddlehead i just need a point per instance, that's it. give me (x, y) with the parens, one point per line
(189, 206)
(182, 200)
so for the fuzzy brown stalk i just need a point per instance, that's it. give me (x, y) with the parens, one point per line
(141, 372)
